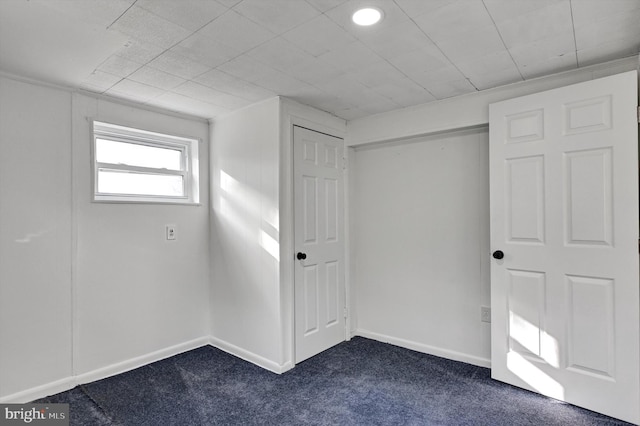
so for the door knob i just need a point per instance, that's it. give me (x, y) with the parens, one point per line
(498, 254)
(301, 255)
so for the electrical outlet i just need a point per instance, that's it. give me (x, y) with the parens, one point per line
(485, 314)
(171, 232)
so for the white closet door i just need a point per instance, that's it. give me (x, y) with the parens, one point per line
(564, 214)
(319, 242)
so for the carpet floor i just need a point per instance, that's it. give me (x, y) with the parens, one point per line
(360, 382)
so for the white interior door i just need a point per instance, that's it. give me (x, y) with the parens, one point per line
(319, 242)
(564, 212)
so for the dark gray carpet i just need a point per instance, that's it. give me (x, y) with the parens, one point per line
(360, 382)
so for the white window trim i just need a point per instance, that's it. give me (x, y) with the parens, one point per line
(189, 166)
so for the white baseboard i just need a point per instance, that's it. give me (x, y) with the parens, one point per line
(133, 363)
(41, 391)
(101, 373)
(427, 349)
(251, 357)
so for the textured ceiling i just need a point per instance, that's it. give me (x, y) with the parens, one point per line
(209, 57)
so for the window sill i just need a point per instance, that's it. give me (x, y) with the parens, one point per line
(155, 203)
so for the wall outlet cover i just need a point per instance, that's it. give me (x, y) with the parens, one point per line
(485, 314)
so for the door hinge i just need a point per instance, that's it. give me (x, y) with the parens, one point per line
(639, 115)
(345, 312)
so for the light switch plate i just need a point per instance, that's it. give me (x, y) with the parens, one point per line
(171, 232)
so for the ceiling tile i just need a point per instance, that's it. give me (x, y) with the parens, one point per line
(373, 102)
(341, 15)
(279, 82)
(420, 7)
(589, 12)
(537, 24)
(345, 86)
(554, 64)
(278, 16)
(134, 90)
(448, 21)
(472, 44)
(350, 56)
(555, 45)
(279, 54)
(156, 78)
(330, 103)
(228, 3)
(98, 13)
(396, 40)
(204, 50)
(48, 45)
(184, 104)
(314, 71)
(140, 52)
(491, 62)
(421, 51)
(149, 28)
(99, 81)
(243, 67)
(449, 89)
(353, 93)
(189, 14)
(324, 5)
(350, 113)
(492, 70)
(377, 74)
(195, 90)
(173, 63)
(612, 27)
(236, 31)
(117, 65)
(608, 51)
(203, 93)
(495, 78)
(403, 92)
(420, 61)
(248, 69)
(310, 95)
(501, 10)
(319, 36)
(224, 82)
(442, 82)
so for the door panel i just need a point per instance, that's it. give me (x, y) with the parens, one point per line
(589, 202)
(564, 210)
(319, 234)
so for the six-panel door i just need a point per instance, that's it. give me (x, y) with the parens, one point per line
(319, 242)
(564, 210)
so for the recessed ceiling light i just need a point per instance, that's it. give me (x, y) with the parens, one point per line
(367, 16)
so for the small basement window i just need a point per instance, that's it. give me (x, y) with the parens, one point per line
(132, 165)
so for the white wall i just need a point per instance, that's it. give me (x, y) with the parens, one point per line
(88, 289)
(35, 236)
(252, 228)
(245, 222)
(135, 292)
(421, 243)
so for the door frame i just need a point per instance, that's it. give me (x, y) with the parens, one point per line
(295, 114)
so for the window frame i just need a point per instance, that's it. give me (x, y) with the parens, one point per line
(188, 148)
